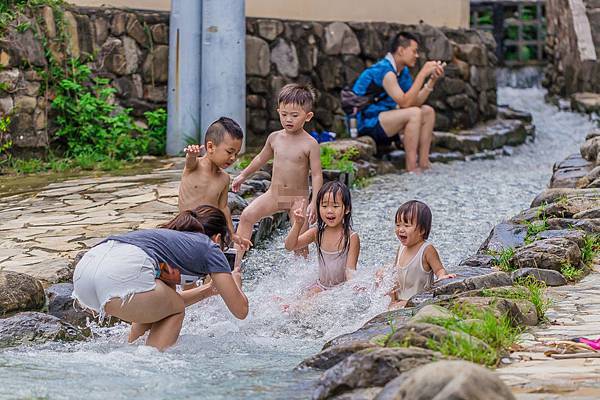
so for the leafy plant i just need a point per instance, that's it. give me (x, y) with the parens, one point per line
(332, 159)
(570, 272)
(590, 248)
(536, 291)
(5, 139)
(540, 224)
(361, 182)
(502, 259)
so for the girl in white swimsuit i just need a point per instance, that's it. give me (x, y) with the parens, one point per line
(417, 261)
(337, 245)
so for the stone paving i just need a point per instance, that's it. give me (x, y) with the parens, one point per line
(41, 233)
(575, 312)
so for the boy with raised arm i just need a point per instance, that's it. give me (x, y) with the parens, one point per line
(294, 153)
(203, 180)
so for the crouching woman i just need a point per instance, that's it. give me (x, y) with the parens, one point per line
(131, 276)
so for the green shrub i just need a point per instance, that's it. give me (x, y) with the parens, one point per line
(502, 259)
(570, 272)
(333, 160)
(590, 249)
(536, 296)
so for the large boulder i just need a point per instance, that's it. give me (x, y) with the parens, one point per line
(576, 236)
(20, 292)
(340, 39)
(577, 199)
(359, 394)
(60, 305)
(494, 279)
(569, 172)
(34, 327)
(365, 149)
(370, 367)
(335, 354)
(588, 225)
(445, 380)
(236, 203)
(520, 312)
(504, 235)
(547, 254)
(548, 276)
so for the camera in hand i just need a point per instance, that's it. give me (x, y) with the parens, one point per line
(230, 255)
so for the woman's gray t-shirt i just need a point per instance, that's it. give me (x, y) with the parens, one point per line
(192, 253)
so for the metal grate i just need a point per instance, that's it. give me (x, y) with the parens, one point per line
(519, 28)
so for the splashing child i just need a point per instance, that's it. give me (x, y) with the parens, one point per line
(338, 246)
(417, 261)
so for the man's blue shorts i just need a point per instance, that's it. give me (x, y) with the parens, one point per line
(378, 134)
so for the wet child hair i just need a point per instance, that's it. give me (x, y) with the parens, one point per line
(335, 188)
(223, 126)
(297, 94)
(203, 219)
(416, 212)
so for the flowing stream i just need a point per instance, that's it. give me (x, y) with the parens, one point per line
(219, 357)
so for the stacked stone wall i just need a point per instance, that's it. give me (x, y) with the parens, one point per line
(131, 48)
(568, 71)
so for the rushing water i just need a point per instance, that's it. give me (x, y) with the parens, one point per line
(219, 357)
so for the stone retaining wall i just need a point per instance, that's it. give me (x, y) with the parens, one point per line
(573, 47)
(131, 48)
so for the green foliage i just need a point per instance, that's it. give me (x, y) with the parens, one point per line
(496, 331)
(502, 259)
(590, 248)
(91, 123)
(361, 183)
(243, 161)
(570, 272)
(540, 224)
(332, 159)
(11, 9)
(5, 140)
(536, 295)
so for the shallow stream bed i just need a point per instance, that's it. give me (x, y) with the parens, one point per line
(219, 357)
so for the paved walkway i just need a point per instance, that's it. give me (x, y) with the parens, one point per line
(41, 233)
(574, 313)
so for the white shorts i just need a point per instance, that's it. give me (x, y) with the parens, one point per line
(112, 270)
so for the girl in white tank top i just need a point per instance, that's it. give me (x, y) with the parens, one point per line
(337, 245)
(417, 261)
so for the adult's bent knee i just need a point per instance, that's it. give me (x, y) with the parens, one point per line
(427, 110)
(415, 113)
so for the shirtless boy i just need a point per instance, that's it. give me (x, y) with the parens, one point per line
(203, 180)
(294, 153)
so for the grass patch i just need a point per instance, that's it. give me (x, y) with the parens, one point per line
(570, 273)
(53, 163)
(540, 224)
(496, 331)
(536, 295)
(243, 162)
(361, 183)
(331, 159)
(590, 249)
(502, 259)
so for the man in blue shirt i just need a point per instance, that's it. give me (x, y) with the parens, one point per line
(399, 107)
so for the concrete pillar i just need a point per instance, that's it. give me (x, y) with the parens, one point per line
(184, 74)
(223, 86)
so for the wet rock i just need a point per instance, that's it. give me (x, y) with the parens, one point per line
(588, 214)
(236, 203)
(547, 254)
(261, 175)
(340, 39)
(60, 305)
(430, 311)
(20, 292)
(590, 177)
(548, 276)
(257, 56)
(586, 102)
(588, 198)
(420, 334)
(569, 172)
(285, 58)
(479, 260)
(494, 279)
(440, 380)
(365, 150)
(589, 225)
(368, 368)
(446, 156)
(503, 236)
(576, 236)
(506, 112)
(259, 186)
(377, 327)
(34, 327)
(334, 354)
(359, 394)
(590, 148)
(521, 312)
